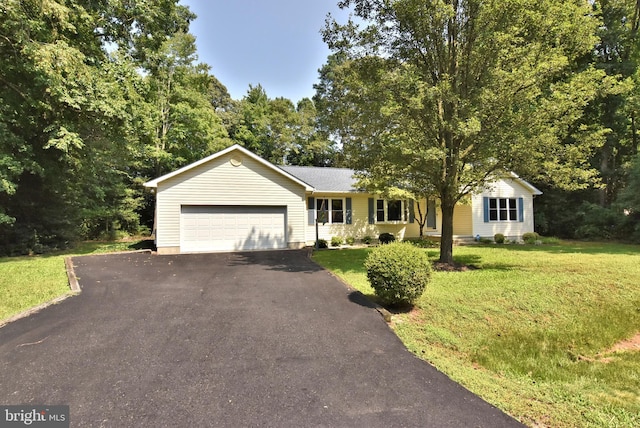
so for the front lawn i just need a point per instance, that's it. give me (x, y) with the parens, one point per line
(530, 330)
(28, 281)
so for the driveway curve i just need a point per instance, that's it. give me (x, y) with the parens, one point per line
(235, 339)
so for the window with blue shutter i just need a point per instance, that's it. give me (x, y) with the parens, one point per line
(311, 211)
(412, 215)
(372, 212)
(431, 214)
(503, 209)
(521, 209)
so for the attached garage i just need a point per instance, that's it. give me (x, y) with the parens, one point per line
(232, 200)
(232, 228)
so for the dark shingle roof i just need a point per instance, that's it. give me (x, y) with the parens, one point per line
(324, 179)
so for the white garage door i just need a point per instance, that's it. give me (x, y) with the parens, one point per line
(229, 228)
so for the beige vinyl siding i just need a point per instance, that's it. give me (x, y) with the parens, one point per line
(462, 220)
(506, 188)
(218, 182)
(360, 226)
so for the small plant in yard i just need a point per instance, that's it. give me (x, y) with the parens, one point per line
(486, 241)
(499, 238)
(336, 241)
(530, 237)
(367, 240)
(398, 272)
(350, 240)
(386, 238)
(322, 243)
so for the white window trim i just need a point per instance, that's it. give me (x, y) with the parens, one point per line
(329, 210)
(498, 209)
(403, 207)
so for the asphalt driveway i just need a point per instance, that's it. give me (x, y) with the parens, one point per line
(243, 339)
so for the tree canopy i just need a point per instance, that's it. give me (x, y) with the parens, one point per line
(426, 99)
(441, 97)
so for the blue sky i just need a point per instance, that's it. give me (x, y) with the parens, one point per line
(275, 43)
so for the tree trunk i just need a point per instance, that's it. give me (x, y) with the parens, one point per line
(420, 218)
(446, 238)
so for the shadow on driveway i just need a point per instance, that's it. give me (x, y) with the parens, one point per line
(237, 339)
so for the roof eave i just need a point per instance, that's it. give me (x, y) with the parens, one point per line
(154, 183)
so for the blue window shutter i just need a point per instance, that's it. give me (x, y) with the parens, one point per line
(431, 214)
(486, 209)
(349, 218)
(412, 217)
(311, 210)
(521, 209)
(371, 212)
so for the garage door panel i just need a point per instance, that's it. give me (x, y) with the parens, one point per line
(227, 228)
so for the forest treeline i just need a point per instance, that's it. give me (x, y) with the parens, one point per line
(99, 96)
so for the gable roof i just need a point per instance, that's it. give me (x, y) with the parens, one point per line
(325, 179)
(235, 147)
(533, 189)
(313, 179)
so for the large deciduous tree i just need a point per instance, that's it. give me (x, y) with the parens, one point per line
(68, 114)
(454, 93)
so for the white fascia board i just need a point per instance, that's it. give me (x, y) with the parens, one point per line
(155, 182)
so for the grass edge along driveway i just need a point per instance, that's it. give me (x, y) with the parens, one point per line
(532, 330)
(29, 281)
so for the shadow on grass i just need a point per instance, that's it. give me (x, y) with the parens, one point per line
(568, 247)
(372, 301)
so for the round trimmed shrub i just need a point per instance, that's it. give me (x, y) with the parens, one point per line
(322, 243)
(398, 272)
(530, 237)
(499, 238)
(385, 238)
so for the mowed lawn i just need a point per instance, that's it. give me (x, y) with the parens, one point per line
(531, 330)
(28, 281)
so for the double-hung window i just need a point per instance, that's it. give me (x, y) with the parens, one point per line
(503, 209)
(330, 210)
(390, 210)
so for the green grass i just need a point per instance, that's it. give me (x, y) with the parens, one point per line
(529, 330)
(28, 281)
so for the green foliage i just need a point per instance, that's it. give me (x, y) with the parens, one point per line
(398, 272)
(367, 240)
(544, 319)
(350, 240)
(498, 238)
(336, 241)
(74, 118)
(322, 243)
(425, 101)
(530, 237)
(422, 242)
(386, 238)
(279, 131)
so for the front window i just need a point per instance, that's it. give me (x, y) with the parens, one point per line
(394, 210)
(330, 210)
(390, 210)
(503, 209)
(322, 210)
(337, 212)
